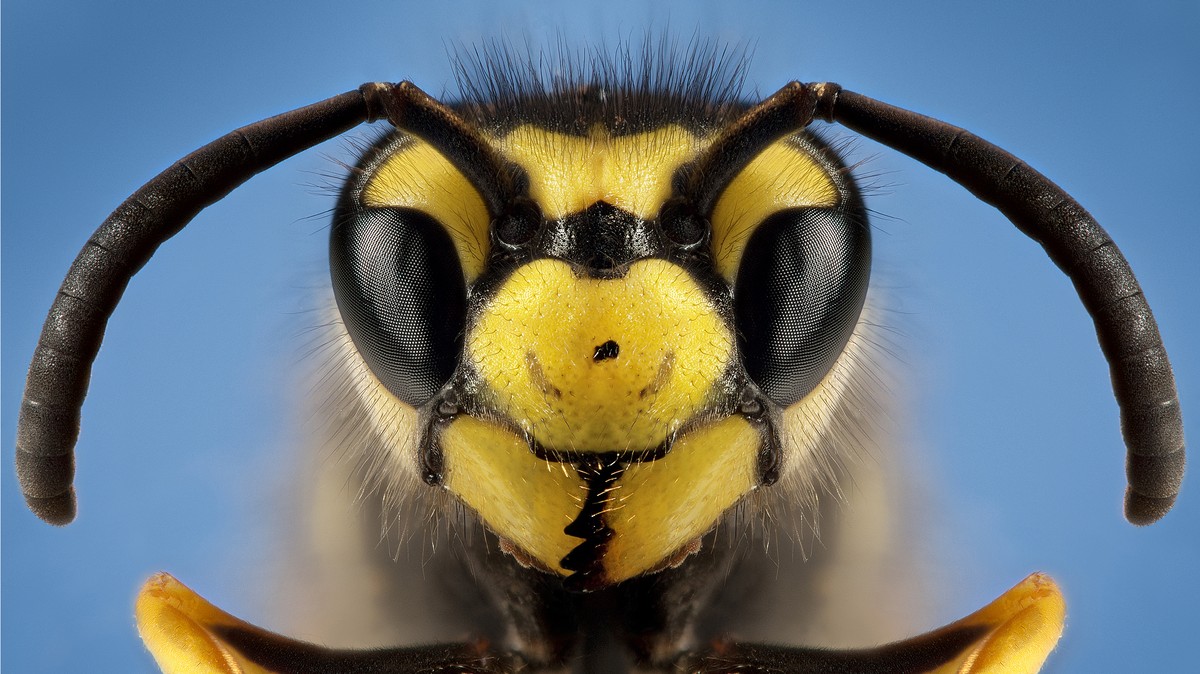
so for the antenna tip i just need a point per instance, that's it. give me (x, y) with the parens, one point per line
(1143, 510)
(57, 510)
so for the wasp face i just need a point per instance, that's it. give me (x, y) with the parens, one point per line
(600, 368)
(603, 315)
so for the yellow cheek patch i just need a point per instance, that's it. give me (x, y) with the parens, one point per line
(522, 498)
(569, 173)
(654, 509)
(544, 346)
(658, 507)
(783, 176)
(419, 177)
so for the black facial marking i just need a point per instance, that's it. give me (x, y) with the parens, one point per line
(433, 463)
(433, 460)
(607, 350)
(760, 412)
(602, 240)
(768, 460)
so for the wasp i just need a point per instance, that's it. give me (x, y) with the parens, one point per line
(606, 318)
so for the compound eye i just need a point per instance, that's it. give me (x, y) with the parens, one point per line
(800, 288)
(400, 290)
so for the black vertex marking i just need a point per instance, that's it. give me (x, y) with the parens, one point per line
(600, 241)
(607, 350)
(600, 472)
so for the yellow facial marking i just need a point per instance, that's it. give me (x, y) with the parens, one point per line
(522, 498)
(783, 176)
(569, 173)
(660, 506)
(654, 509)
(542, 349)
(419, 177)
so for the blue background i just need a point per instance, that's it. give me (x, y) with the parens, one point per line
(186, 425)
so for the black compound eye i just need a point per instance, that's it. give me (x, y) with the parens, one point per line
(800, 289)
(682, 225)
(518, 225)
(399, 287)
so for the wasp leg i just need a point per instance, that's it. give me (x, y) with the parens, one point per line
(1012, 635)
(188, 635)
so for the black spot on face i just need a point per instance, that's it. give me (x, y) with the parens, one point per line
(607, 350)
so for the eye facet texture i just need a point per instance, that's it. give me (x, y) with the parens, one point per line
(400, 290)
(799, 291)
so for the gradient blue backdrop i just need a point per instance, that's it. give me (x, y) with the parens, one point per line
(187, 417)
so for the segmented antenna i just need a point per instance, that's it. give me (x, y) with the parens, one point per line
(1144, 386)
